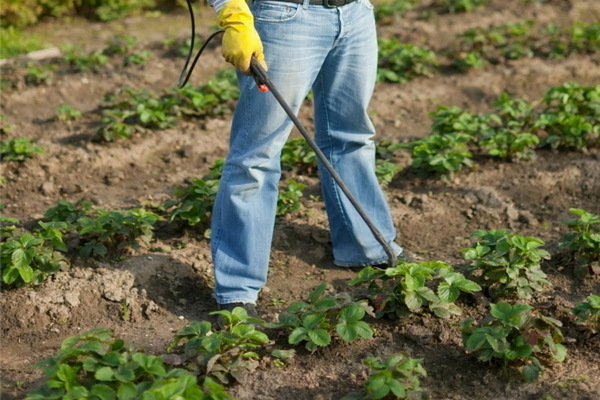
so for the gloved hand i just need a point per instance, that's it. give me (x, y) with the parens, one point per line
(240, 41)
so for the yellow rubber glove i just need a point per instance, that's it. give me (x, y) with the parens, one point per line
(240, 40)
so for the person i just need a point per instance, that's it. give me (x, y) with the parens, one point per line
(331, 47)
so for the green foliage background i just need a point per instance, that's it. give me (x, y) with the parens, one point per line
(21, 13)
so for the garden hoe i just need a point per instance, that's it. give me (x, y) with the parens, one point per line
(264, 84)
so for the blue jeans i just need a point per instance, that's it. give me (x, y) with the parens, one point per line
(334, 51)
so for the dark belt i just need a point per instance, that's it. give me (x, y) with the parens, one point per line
(326, 3)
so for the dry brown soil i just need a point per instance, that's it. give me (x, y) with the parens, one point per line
(169, 282)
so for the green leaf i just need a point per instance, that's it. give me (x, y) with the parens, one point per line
(26, 273)
(530, 372)
(352, 313)
(299, 334)
(104, 374)
(320, 337)
(397, 388)
(347, 332)
(20, 259)
(561, 352)
(476, 340)
(127, 391)
(103, 392)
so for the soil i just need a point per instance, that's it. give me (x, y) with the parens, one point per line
(169, 282)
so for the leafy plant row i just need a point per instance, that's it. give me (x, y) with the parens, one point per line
(98, 365)
(565, 118)
(400, 62)
(389, 11)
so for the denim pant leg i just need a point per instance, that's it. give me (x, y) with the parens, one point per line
(244, 211)
(344, 132)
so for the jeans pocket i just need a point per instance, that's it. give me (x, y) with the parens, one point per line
(274, 11)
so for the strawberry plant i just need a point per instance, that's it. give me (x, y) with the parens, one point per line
(66, 113)
(388, 11)
(18, 149)
(113, 125)
(451, 120)
(195, 202)
(315, 321)
(400, 62)
(144, 108)
(120, 44)
(28, 259)
(570, 115)
(588, 313)
(516, 335)
(404, 289)
(84, 61)
(215, 97)
(398, 376)
(298, 157)
(7, 225)
(441, 154)
(508, 41)
(466, 60)
(138, 58)
(39, 74)
(224, 354)
(508, 263)
(289, 198)
(96, 365)
(510, 143)
(68, 212)
(584, 239)
(385, 171)
(460, 6)
(94, 231)
(114, 229)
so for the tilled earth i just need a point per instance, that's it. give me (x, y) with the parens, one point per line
(169, 282)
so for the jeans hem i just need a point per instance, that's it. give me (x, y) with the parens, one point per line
(364, 263)
(235, 300)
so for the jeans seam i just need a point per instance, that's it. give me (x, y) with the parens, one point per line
(335, 191)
